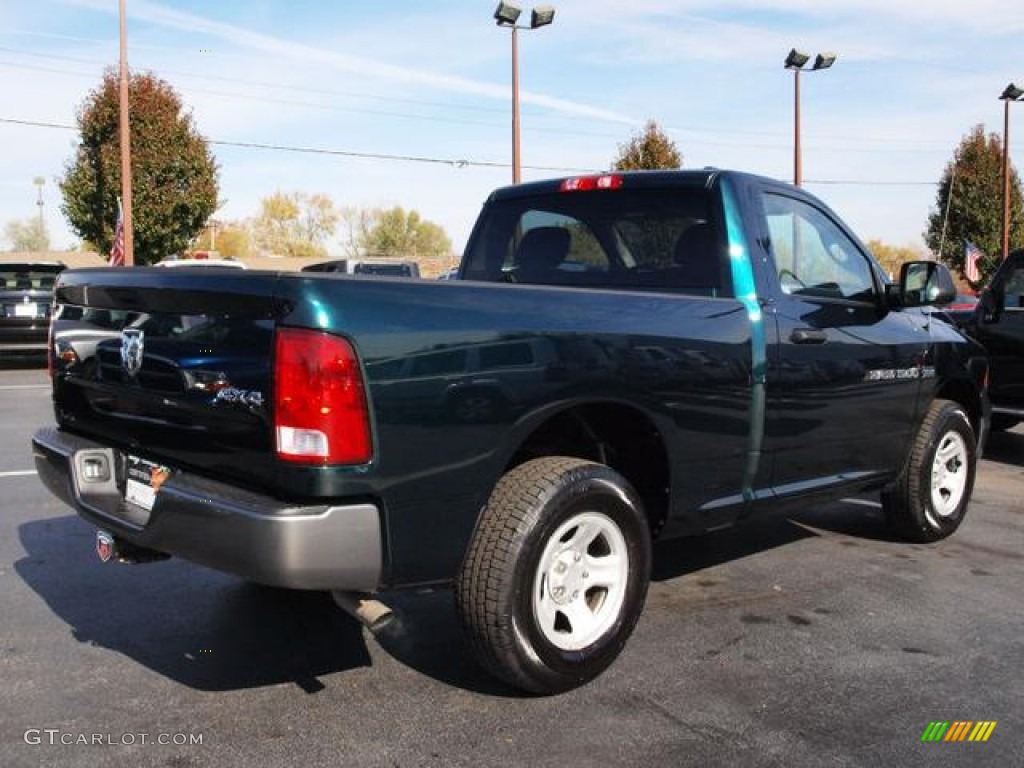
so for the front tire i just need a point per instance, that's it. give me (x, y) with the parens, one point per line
(929, 499)
(556, 574)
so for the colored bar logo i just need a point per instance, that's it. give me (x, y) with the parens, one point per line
(958, 730)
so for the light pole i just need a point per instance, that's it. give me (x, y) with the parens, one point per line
(1012, 93)
(507, 15)
(796, 61)
(39, 181)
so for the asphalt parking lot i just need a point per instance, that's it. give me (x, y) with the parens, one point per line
(812, 641)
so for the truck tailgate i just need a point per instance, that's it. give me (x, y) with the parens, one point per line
(169, 366)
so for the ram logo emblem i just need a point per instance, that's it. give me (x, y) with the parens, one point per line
(132, 342)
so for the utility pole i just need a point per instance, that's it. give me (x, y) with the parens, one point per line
(126, 145)
(39, 181)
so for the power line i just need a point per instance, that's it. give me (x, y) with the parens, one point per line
(454, 162)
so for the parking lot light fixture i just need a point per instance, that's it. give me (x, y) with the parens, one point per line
(1010, 93)
(506, 15)
(795, 61)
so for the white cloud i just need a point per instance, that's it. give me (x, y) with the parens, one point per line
(155, 13)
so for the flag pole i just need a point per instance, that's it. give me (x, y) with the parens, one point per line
(126, 147)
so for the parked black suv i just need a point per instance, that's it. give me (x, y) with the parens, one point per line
(26, 293)
(997, 322)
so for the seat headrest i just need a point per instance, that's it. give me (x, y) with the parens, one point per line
(543, 249)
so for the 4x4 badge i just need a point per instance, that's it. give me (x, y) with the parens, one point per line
(132, 341)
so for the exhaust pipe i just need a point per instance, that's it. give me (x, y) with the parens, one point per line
(370, 612)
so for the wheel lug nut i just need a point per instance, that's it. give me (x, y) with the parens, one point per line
(560, 568)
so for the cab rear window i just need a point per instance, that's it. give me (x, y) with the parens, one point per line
(647, 239)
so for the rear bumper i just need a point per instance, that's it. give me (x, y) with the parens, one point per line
(221, 526)
(22, 341)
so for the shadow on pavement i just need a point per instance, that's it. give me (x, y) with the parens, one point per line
(427, 636)
(1006, 447)
(205, 630)
(211, 632)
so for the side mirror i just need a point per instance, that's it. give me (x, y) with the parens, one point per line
(991, 304)
(925, 283)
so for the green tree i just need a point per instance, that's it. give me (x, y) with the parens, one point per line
(295, 224)
(649, 149)
(27, 235)
(174, 176)
(395, 232)
(972, 189)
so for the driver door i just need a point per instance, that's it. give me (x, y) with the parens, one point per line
(845, 371)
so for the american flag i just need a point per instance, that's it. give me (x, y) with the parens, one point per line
(117, 249)
(971, 257)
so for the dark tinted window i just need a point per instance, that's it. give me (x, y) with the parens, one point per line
(28, 277)
(438, 363)
(393, 270)
(1014, 290)
(506, 355)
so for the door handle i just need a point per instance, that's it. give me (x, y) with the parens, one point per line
(808, 336)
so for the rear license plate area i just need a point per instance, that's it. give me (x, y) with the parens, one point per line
(142, 481)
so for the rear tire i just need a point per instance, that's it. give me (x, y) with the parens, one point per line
(556, 574)
(929, 499)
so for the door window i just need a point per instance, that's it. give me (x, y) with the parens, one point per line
(1014, 290)
(813, 256)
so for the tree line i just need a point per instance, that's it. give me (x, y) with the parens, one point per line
(175, 189)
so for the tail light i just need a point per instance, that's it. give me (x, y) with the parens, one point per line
(590, 183)
(320, 411)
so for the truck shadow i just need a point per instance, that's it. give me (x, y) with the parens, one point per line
(212, 632)
(1006, 447)
(856, 518)
(200, 628)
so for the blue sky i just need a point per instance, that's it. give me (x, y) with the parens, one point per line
(432, 81)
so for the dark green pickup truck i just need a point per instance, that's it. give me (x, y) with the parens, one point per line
(624, 358)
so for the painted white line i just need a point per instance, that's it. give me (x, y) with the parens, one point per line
(24, 386)
(18, 473)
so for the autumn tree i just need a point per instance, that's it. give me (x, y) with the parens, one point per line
(971, 189)
(892, 257)
(649, 149)
(358, 223)
(395, 232)
(174, 175)
(295, 223)
(27, 235)
(231, 240)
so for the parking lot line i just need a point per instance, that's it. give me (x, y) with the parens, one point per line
(23, 386)
(18, 473)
